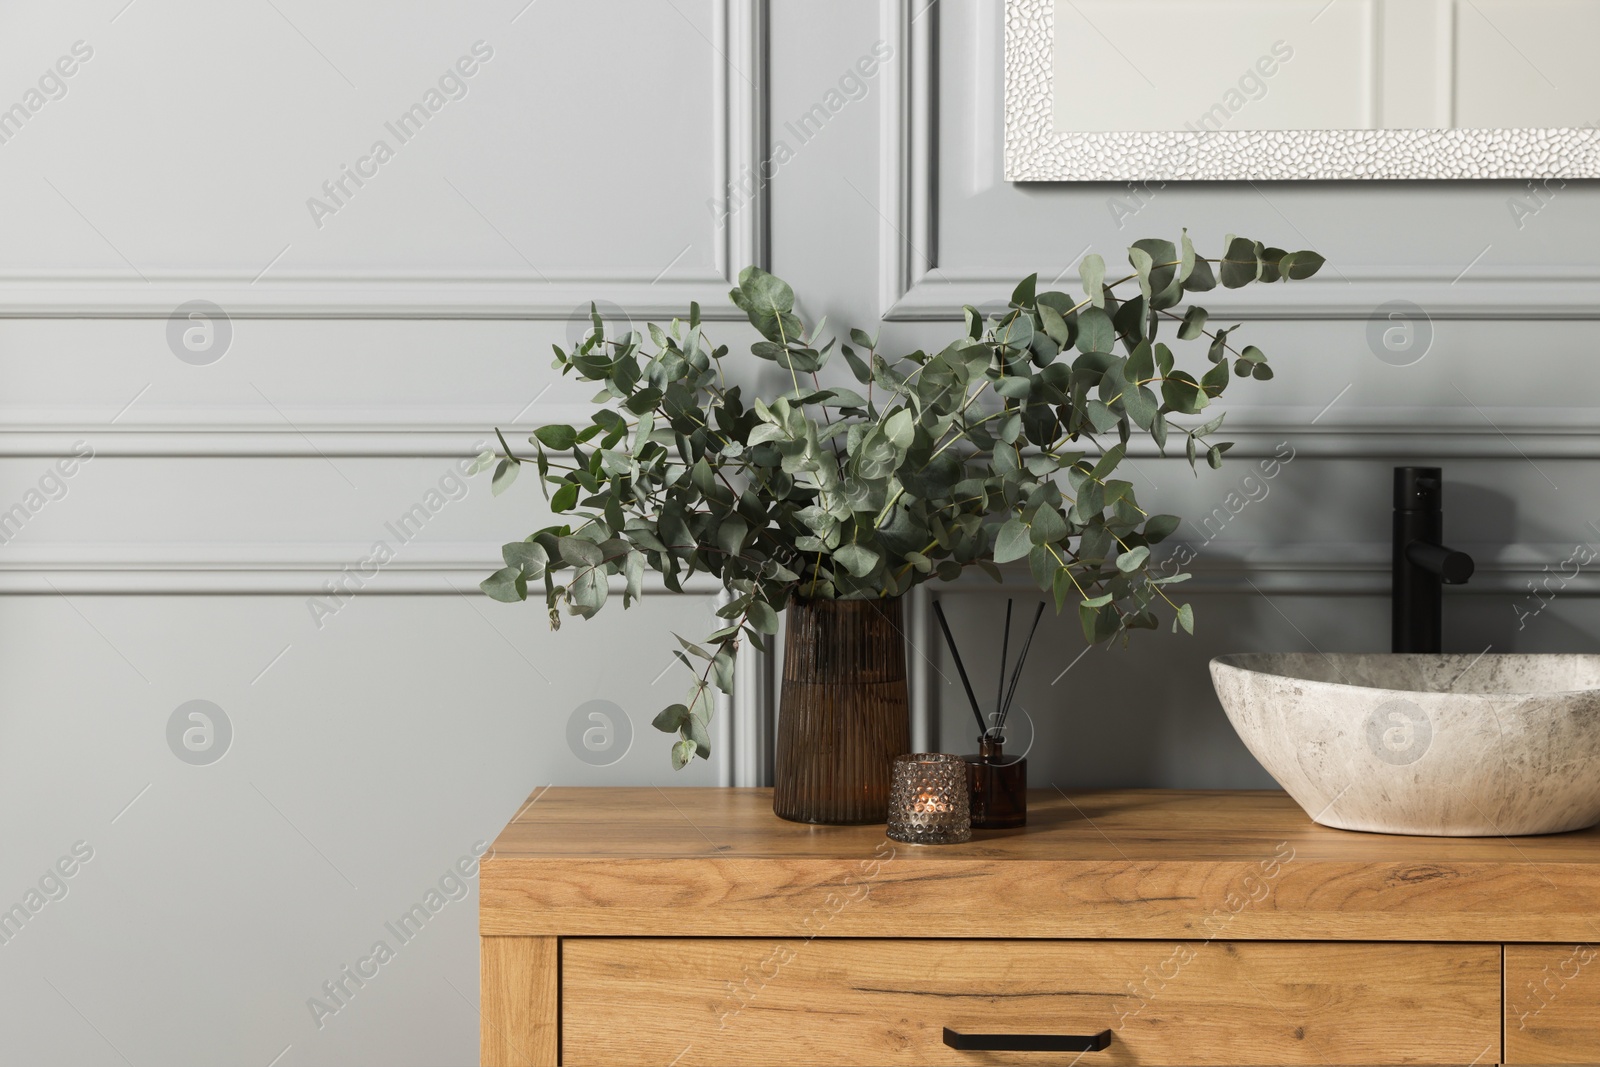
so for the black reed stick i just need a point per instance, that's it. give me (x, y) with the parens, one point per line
(1000, 681)
(972, 698)
(1022, 657)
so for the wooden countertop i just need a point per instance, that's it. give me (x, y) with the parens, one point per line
(1102, 864)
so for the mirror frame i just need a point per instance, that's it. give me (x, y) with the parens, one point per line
(1036, 151)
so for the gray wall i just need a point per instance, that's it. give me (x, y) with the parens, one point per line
(368, 348)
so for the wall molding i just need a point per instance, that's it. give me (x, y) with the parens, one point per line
(302, 569)
(908, 126)
(1456, 433)
(1571, 294)
(275, 568)
(739, 147)
(356, 295)
(915, 287)
(1342, 569)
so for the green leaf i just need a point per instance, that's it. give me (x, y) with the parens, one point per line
(1061, 587)
(1270, 259)
(671, 719)
(762, 617)
(1016, 387)
(588, 591)
(1215, 380)
(1298, 266)
(504, 475)
(1185, 619)
(1096, 331)
(1218, 350)
(1200, 280)
(1092, 269)
(731, 534)
(1182, 393)
(644, 400)
(481, 463)
(1054, 325)
(898, 428)
(1158, 528)
(564, 499)
(576, 552)
(694, 649)
(507, 585)
(1240, 264)
(859, 560)
(1047, 526)
(1101, 417)
(528, 556)
(699, 735)
(682, 753)
(1194, 323)
(702, 705)
(858, 366)
(1022, 295)
(766, 291)
(1090, 618)
(1141, 405)
(1132, 559)
(1013, 541)
(556, 437)
(768, 302)
(1141, 263)
(1108, 462)
(633, 576)
(1160, 278)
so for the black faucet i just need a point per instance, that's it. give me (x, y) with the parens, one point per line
(1422, 565)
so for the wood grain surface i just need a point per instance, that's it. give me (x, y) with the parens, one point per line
(1115, 864)
(519, 1001)
(792, 1002)
(1552, 1004)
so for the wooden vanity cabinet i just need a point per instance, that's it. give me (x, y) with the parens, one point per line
(1159, 928)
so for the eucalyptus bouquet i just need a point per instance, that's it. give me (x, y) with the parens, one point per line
(1003, 446)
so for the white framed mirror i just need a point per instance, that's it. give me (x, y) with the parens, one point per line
(1172, 90)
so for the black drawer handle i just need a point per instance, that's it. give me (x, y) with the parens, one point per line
(1028, 1042)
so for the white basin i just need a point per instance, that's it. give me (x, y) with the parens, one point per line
(1442, 746)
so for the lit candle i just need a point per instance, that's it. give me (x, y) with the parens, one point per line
(928, 800)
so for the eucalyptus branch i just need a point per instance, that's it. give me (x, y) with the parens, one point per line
(784, 500)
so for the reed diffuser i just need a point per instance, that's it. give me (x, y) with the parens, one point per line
(998, 782)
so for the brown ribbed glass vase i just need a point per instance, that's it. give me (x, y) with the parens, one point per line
(844, 714)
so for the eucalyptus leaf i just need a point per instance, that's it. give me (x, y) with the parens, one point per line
(1241, 264)
(504, 475)
(859, 560)
(1092, 270)
(558, 438)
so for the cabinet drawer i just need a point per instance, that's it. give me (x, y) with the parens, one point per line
(847, 1002)
(1552, 1004)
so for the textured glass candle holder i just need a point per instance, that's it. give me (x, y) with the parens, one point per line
(930, 800)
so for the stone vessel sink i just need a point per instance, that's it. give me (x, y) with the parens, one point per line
(1436, 745)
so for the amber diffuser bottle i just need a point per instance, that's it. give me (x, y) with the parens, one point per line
(999, 785)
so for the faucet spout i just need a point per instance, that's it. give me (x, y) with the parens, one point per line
(1422, 565)
(1449, 566)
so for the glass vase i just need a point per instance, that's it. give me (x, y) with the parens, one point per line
(844, 713)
